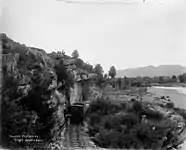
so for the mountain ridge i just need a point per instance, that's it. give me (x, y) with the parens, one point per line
(151, 71)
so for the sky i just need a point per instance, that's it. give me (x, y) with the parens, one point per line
(125, 34)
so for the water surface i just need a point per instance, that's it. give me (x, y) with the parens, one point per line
(176, 94)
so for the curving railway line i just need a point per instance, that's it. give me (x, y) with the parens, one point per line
(74, 135)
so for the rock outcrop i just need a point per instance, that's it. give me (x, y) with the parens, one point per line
(29, 87)
(30, 94)
(84, 88)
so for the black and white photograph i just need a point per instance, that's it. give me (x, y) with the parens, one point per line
(92, 74)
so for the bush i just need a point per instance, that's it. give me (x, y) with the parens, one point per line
(116, 121)
(108, 138)
(150, 139)
(135, 107)
(152, 114)
(63, 75)
(181, 112)
(79, 63)
(15, 119)
(123, 128)
(170, 105)
(141, 135)
(102, 107)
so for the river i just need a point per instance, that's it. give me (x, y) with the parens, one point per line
(176, 94)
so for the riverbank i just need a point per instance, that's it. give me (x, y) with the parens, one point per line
(176, 94)
(154, 100)
(169, 84)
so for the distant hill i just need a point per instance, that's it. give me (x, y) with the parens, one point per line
(151, 71)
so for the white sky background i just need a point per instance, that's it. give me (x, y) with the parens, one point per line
(125, 35)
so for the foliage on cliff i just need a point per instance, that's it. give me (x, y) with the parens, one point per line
(29, 80)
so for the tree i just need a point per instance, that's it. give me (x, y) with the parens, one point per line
(75, 54)
(89, 67)
(98, 70)
(119, 82)
(63, 52)
(112, 72)
(156, 79)
(161, 80)
(79, 63)
(184, 76)
(125, 81)
(105, 76)
(59, 52)
(174, 78)
(181, 78)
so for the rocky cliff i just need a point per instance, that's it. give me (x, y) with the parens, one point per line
(35, 87)
(28, 108)
(83, 81)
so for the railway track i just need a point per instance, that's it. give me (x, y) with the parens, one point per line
(74, 137)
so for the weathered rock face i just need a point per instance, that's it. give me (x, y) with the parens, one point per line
(83, 82)
(29, 88)
(76, 93)
(29, 93)
(85, 90)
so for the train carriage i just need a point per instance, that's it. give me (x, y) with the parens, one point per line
(77, 113)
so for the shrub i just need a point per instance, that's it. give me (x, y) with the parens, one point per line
(95, 118)
(63, 75)
(140, 135)
(135, 107)
(170, 105)
(108, 138)
(149, 138)
(180, 111)
(82, 65)
(103, 107)
(15, 119)
(101, 82)
(124, 129)
(152, 114)
(115, 122)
